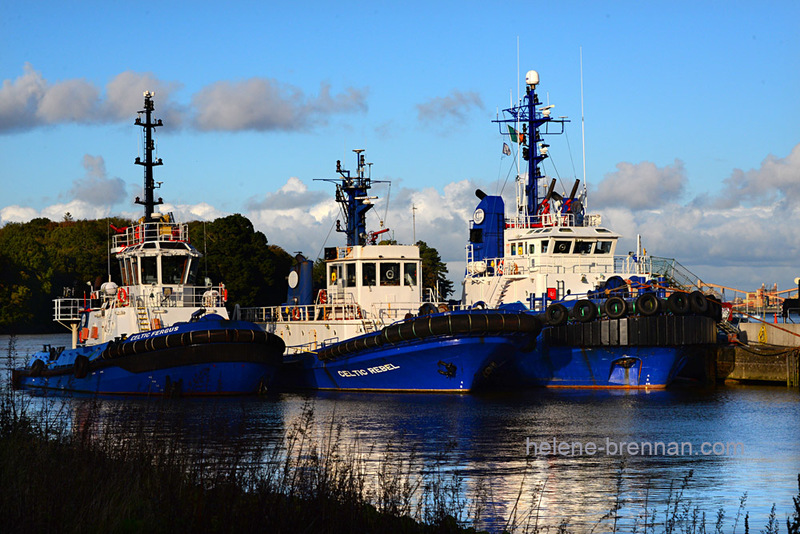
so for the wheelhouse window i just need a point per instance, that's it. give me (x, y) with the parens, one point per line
(149, 270)
(390, 274)
(561, 247)
(545, 246)
(191, 276)
(410, 274)
(335, 274)
(603, 247)
(583, 247)
(368, 274)
(531, 248)
(173, 269)
(350, 270)
(124, 272)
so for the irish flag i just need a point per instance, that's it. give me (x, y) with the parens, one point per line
(516, 136)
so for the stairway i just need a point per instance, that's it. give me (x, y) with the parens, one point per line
(144, 323)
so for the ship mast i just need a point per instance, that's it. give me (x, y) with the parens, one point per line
(533, 149)
(149, 147)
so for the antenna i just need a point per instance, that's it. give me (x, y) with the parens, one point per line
(414, 223)
(583, 133)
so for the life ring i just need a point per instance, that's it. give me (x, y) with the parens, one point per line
(333, 277)
(296, 314)
(323, 296)
(514, 268)
(122, 296)
(327, 315)
(358, 312)
(500, 267)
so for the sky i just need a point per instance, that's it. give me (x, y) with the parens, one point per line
(691, 117)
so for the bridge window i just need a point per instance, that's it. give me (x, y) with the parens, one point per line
(172, 269)
(545, 246)
(531, 248)
(350, 269)
(583, 247)
(368, 274)
(390, 274)
(561, 247)
(603, 247)
(410, 274)
(149, 270)
(335, 274)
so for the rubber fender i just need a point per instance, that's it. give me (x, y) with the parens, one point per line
(585, 311)
(556, 314)
(698, 302)
(647, 304)
(81, 366)
(37, 367)
(615, 308)
(678, 303)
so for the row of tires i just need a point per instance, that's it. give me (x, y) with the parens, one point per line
(120, 349)
(653, 331)
(426, 326)
(646, 305)
(183, 339)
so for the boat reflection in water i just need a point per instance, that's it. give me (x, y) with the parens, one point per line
(475, 446)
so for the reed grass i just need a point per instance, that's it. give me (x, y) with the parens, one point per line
(137, 470)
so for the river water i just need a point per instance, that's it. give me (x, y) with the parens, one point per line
(552, 454)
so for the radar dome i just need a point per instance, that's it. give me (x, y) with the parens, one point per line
(532, 78)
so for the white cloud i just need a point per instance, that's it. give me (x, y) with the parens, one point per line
(740, 237)
(17, 214)
(456, 106)
(265, 104)
(96, 187)
(641, 186)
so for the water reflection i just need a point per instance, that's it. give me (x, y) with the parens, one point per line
(478, 443)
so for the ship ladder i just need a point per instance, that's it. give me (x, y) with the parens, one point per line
(144, 322)
(503, 289)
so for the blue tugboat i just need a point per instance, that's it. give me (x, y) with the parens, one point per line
(157, 333)
(612, 322)
(370, 329)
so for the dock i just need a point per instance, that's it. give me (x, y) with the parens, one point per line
(770, 355)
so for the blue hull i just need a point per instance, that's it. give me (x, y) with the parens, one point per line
(601, 367)
(208, 357)
(453, 365)
(234, 378)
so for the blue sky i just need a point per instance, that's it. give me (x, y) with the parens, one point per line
(691, 113)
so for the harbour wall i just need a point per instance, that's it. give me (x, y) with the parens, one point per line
(770, 355)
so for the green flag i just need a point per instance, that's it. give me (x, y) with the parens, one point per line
(516, 136)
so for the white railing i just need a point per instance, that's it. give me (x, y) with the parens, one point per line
(171, 297)
(68, 310)
(139, 233)
(552, 219)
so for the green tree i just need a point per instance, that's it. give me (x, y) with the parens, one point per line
(434, 271)
(237, 255)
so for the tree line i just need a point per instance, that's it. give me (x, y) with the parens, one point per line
(41, 260)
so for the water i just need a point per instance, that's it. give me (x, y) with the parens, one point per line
(489, 442)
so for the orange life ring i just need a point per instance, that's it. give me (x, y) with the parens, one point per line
(358, 312)
(122, 296)
(296, 314)
(500, 267)
(323, 296)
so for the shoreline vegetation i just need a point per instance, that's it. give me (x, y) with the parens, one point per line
(101, 472)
